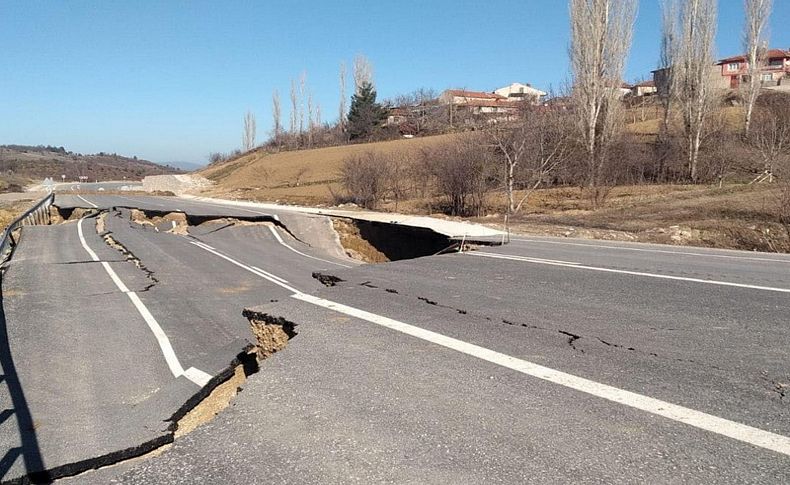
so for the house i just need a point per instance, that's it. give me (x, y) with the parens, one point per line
(732, 72)
(661, 79)
(521, 92)
(645, 88)
(462, 97)
(735, 69)
(478, 103)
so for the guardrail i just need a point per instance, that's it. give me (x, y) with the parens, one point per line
(36, 215)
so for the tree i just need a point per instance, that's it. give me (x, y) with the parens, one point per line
(668, 55)
(363, 72)
(770, 134)
(248, 137)
(601, 32)
(530, 150)
(365, 114)
(755, 45)
(341, 118)
(294, 107)
(302, 88)
(693, 68)
(276, 117)
(365, 178)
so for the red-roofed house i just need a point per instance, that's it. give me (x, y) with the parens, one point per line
(478, 102)
(776, 69)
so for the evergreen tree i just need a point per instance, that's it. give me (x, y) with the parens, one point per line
(365, 114)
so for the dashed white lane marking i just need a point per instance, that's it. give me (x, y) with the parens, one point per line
(651, 250)
(714, 424)
(194, 375)
(622, 271)
(280, 240)
(87, 201)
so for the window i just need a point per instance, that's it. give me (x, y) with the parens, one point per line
(767, 77)
(776, 62)
(733, 66)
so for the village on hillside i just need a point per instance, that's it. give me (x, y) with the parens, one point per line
(468, 106)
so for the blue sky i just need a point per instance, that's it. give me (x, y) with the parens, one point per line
(171, 80)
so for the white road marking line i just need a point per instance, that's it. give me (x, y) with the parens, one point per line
(634, 273)
(280, 240)
(248, 268)
(714, 424)
(697, 419)
(269, 274)
(164, 343)
(87, 201)
(534, 260)
(650, 250)
(197, 376)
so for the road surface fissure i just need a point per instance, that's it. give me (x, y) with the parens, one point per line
(195, 375)
(720, 426)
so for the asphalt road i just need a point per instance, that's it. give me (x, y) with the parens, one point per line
(545, 360)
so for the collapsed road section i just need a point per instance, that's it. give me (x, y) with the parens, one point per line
(84, 374)
(94, 294)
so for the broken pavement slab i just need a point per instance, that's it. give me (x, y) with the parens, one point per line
(451, 229)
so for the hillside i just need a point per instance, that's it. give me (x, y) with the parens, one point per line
(20, 164)
(303, 176)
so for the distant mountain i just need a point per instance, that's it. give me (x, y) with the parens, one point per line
(37, 162)
(187, 166)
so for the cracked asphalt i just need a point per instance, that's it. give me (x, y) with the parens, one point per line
(349, 400)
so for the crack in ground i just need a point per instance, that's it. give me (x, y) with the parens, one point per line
(433, 303)
(327, 279)
(780, 388)
(272, 335)
(572, 338)
(128, 255)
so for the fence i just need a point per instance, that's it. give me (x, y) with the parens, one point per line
(36, 215)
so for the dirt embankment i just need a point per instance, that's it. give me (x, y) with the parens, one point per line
(733, 217)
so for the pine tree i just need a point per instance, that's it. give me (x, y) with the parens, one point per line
(365, 114)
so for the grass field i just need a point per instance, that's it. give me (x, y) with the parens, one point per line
(302, 177)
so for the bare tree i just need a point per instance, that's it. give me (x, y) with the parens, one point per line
(248, 137)
(364, 177)
(342, 108)
(294, 107)
(310, 125)
(669, 46)
(276, 117)
(601, 32)
(363, 72)
(302, 88)
(770, 135)
(693, 88)
(755, 45)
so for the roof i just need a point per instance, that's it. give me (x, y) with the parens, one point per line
(771, 54)
(494, 103)
(646, 84)
(474, 94)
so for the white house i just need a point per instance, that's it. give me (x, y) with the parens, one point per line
(520, 92)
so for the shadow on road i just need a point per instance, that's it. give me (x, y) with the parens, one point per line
(28, 447)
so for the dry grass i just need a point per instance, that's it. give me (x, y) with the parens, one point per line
(12, 210)
(735, 216)
(303, 176)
